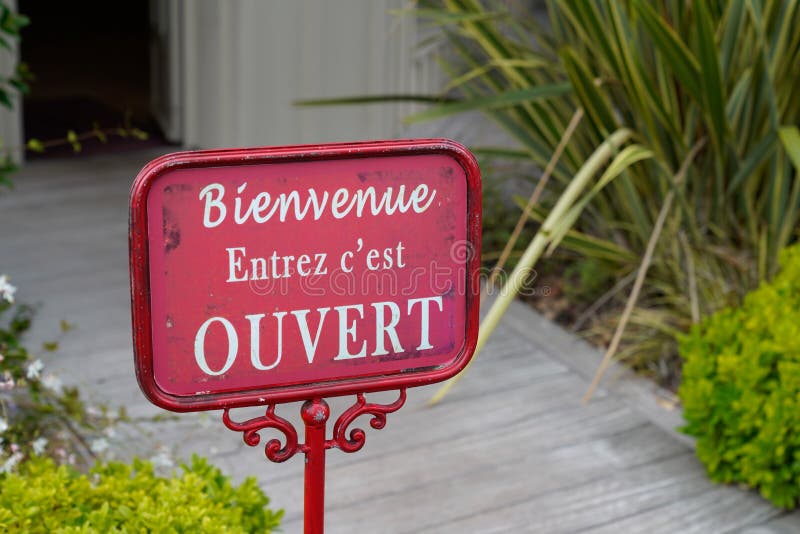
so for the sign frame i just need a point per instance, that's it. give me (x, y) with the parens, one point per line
(139, 260)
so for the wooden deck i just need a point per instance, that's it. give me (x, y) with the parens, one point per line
(512, 449)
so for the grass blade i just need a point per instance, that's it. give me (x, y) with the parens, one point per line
(373, 99)
(711, 78)
(535, 248)
(790, 138)
(679, 58)
(502, 100)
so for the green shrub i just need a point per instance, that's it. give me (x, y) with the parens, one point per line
(741, 388)
(117, 497)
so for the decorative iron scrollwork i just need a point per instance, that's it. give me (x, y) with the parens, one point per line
(251, 428)
(357, 437)
(351, 442)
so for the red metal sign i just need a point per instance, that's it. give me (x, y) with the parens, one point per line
(270, 275)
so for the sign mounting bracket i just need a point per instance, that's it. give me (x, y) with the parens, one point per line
(315, 414)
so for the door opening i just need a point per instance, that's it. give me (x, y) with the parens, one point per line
(91, 62)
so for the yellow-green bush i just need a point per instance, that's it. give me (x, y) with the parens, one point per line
(741, 388)
(117, 497)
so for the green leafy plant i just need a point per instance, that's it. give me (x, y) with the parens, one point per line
(13, 83)
(695, 193)
(17, 81)
(117, 497)
(75, 140)
(741, 388)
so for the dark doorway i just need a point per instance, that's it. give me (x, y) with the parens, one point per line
(91, 64)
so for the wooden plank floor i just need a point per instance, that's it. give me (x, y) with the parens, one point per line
(512, 449)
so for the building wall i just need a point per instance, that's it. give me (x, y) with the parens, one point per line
(231, 77)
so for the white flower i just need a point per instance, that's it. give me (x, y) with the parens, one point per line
(53, 383)
(3, 425)
(99, 445)
(162, 458)
(7, 290)
(39, 445)
(34, 369)
(11, 462)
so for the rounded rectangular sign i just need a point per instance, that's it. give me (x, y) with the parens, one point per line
(280, 274)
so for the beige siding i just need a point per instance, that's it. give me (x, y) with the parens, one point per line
(242, 64)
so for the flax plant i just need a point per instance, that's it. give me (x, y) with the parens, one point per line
(676, 75)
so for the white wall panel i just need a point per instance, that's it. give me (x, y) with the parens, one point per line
(244, 62)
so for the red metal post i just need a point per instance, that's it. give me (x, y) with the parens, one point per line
(315, 414)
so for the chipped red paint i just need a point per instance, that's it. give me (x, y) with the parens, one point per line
(183, 258)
